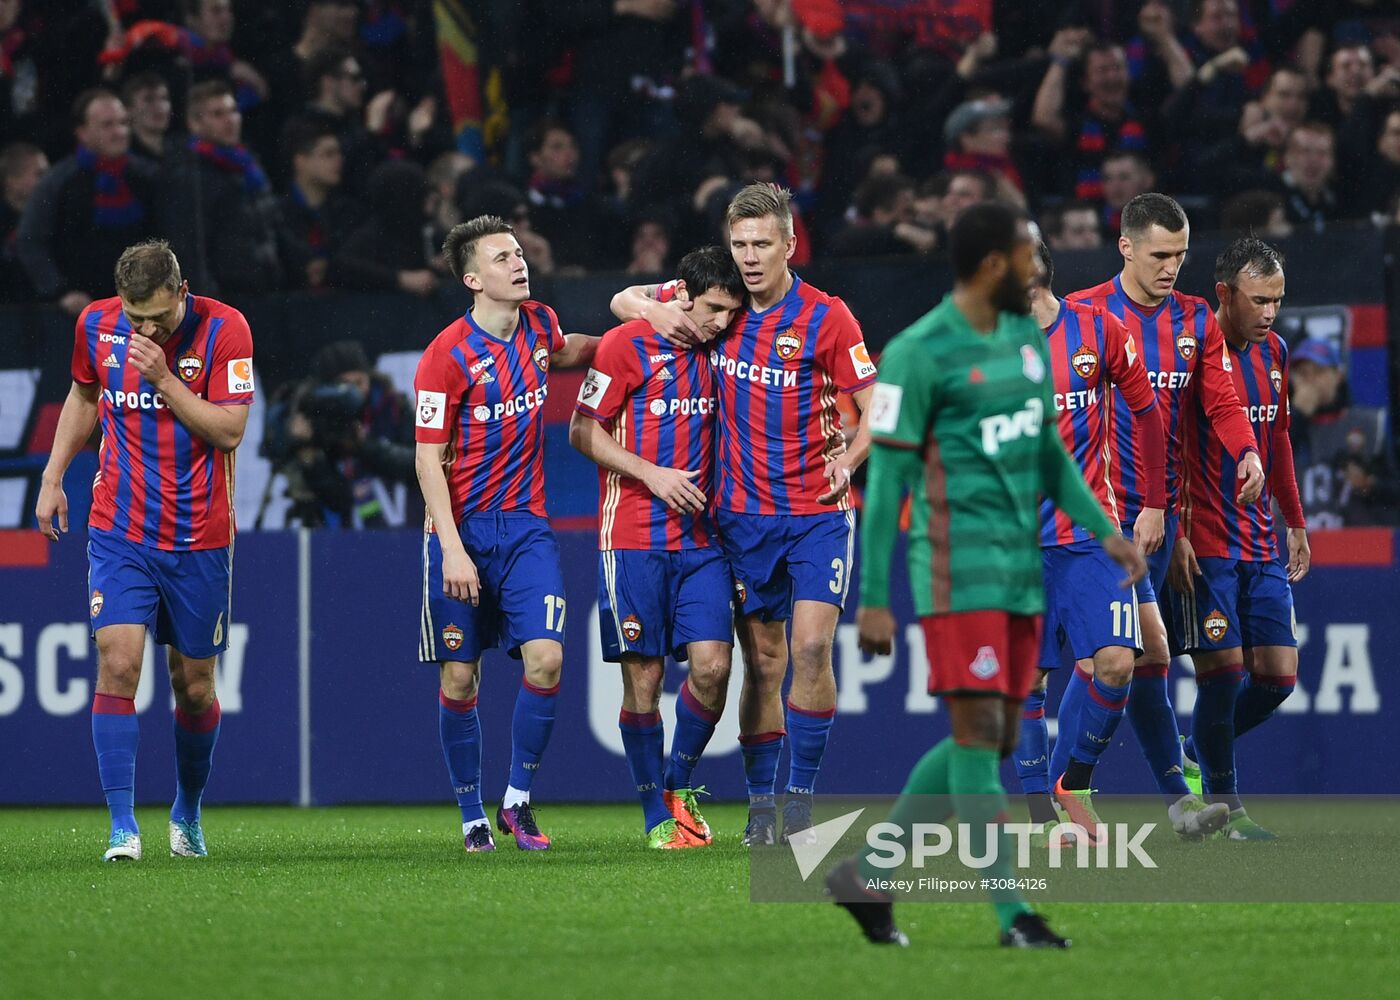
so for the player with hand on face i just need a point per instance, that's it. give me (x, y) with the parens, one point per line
(646, 415)
(490, 561)
(169, 376)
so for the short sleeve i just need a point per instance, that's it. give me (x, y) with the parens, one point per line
(615, 375)
(556, 332)
(905, 397)
(231, 364)
(845, 356)
(438, 387)
(84, 372)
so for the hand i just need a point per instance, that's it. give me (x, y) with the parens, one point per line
(706, 190)
(746, 133)
(418, 282)
(377, 110)
(674, 488)
(249, 77)
(1126, 554)
(459, 579)
(670, 320)
(916, 237)
(1232, 60)
(837, 472)
(74, 302)
(875, 631)
(1184, 568)
(1299, 554)
(1385, 83)
(1252, 472)
(1069, 43)
(1155, 21)
(1148, 530)
(420, 119)
(53, 502)
(148, 358)
(837, 442)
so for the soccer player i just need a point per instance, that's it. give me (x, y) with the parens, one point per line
(490, 561)
(959, 416)
(781, 495)
(1232, 601)
(1089, 621)
(1180, 345)
(169, 375)
(646, 415)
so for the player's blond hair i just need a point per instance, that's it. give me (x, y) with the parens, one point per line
(755, 201)
(147, 268)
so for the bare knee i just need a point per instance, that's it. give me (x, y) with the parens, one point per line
(811, 654)
(641, 684)
(1113, 666)
(192, 682)
(978, 722)
(459, 681)
(119, 666)
(709, 672)
(543, 661)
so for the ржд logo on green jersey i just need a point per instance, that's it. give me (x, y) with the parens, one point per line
(998, 430)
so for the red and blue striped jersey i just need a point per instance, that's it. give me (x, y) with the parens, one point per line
(1211, 517)
(659, 402)
(1091, 356)
(777, 373)
(484, 397)
(157, 483)
(1173, 339)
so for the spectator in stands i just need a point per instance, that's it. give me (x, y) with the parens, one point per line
(1253, 156)
(147, 100)
(89, 208)
(334, 434)
(1354, 101)
(651, 245)
(1126, 174)
(977, 136)
(1380, 178)
(1309, 159)
(22, 164)
(965, 187)
(327, 24)
(1158, 62)
(222, 215)
(444, 173)
(562, 211)
(212, 22)
(869, 124)
(390, 248)
(1072, 226)
(1259, 213)
(337, 86)
(316, 215)
(478, 195)
(1106, 120)
(883, 222)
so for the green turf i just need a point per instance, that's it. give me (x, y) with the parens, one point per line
(382, 901)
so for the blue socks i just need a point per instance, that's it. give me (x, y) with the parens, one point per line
(1258, 699)
(529, 732)
(761, 752)
(807, 730)
(643, 740)
(1154, 721)
(459, 730)
(195, 736)
(1213, 731)
(1071, 703)
(1033, 748)
(1099, 715)
(115, 734)
(695, 724)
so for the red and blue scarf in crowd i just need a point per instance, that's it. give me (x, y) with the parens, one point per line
(114, 204)
(233, 160)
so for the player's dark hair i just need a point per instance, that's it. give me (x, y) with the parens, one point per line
(460, 246)
(146, 268)
(85, 100)
(1047, 261)
(982, 229)
(880, 192)
(1152, 209)
(1248, 254)
(140, 83)
(210, 90)
(711, 267)
(301, 135)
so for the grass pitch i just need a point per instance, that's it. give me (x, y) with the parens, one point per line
(382, 901)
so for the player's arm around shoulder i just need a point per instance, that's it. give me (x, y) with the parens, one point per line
(666, 313)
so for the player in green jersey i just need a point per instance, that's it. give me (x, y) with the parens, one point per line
(963, 417)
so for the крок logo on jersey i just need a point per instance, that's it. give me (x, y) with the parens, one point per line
(1186, 345)
(1216, 625)
(986, 665)
(452, 637)
(95, 605)
(631, 628)
(1085, 362)
(189, 366)
(541, 357)
(1276, 377)
(787, 344)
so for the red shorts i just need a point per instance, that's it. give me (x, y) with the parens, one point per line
(986, 652)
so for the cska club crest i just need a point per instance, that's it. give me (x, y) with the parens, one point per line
(1276, 377)
(741, 592)
(1216, 625)
(788, 344)
(452, 637)
(986, 665)
(1085, 362)
(541, 357)
(189, 366)
(1186, 345)
(631, 628)
(95, 605)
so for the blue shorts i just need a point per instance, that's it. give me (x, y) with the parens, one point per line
(779, 559)
(1236, 604)
(654, 602)
(1151, 586)
(184, 598)
(1086, 605)
(522, 591)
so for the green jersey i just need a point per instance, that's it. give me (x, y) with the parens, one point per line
(978, 408)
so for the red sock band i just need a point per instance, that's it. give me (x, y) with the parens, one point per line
(641, 720)
(458, 705)
(1274, 680)
(113, 704)
(813, 713)
(205, 722)
(762, 737)
(546, 692)
(693, 703)
(1151, 670)
(1227, 672)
